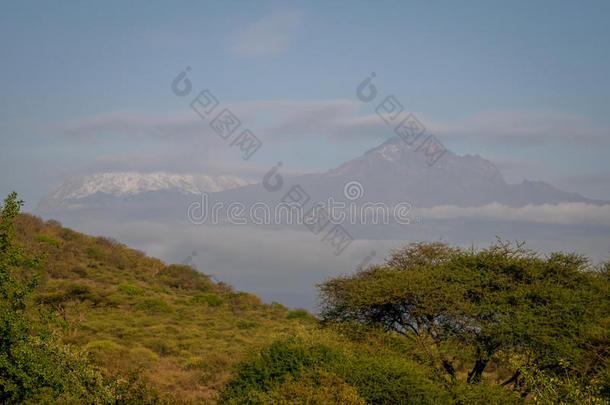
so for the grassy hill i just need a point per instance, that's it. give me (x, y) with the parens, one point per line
(132, 311)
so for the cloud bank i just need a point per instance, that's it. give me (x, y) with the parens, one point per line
(342, 119)
(563, 213)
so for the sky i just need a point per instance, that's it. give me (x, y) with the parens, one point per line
(86, 87)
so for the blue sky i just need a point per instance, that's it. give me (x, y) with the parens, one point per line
(86, 87)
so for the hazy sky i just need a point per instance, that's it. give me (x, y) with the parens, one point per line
(86, 87)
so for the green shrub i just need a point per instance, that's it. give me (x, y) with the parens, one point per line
(161, 346)
(131, 290)
(378, 380)
(77, 290)
(143, 355)
(69, 235)
(52, 223)
(318, 387)
(213, 362)
(105, 350)
(208, 367)
(246, 324)
(79, 270)
(185, 278)
(95, 253)
(276, 306)
(47, 239)
(51, 373)
(210, 299)
(300, 314)
(195, 362)
(265, 370)
(153, 306)
(74, 291)
(244, 300)
(390, 380)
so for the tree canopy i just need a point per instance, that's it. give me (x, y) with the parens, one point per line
(542, 317)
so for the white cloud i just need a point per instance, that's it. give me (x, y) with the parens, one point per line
(191, 161)
(268, 119)
(267, 36)
(342, 119)
(563, 213)
(131, 123)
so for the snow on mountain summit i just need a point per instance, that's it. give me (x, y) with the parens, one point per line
(121, 184)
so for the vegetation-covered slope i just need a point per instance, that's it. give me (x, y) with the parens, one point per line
(132, 311)
(87, 320)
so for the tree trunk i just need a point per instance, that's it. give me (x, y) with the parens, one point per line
(449, 368)
(513, 379)
(475, 375)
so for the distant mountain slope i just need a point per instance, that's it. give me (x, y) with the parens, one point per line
(394, 172)
(391, 173)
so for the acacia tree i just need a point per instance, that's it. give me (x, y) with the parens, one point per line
(472, 307)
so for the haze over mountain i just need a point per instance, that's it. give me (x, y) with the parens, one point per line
(391, 173)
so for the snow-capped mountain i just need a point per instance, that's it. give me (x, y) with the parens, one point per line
(122, 185)
(391, 173)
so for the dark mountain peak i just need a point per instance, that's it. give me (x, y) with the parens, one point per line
(396, 156)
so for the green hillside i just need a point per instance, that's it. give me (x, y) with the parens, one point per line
(132, 311)
(108, 324)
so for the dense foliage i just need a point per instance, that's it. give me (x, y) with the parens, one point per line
(542, 320)
(294, 371)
